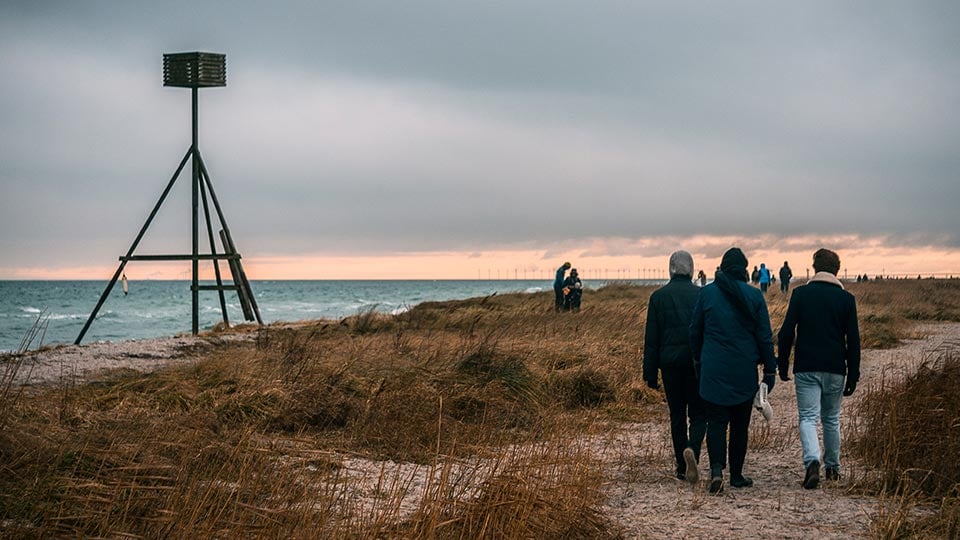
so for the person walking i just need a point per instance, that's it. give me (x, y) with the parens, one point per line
(666, 347)
(786, 274)
(755, 276)
(573, 291)
(558, 286)
(822, 316)
(764, 278)
(730, 336)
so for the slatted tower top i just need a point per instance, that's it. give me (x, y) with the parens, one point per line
(195, 69)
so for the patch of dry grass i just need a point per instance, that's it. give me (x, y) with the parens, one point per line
(488, 395)
(910, 431)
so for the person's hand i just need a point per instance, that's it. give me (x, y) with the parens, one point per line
(653, 384)
(850, 387)
(770, 379)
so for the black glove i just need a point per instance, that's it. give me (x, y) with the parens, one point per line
(850, 387)
(770, 379)
(784, 368)
(653, 384)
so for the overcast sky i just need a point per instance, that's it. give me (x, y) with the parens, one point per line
(358, 128)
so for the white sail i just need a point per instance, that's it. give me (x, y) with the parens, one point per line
(126, 286)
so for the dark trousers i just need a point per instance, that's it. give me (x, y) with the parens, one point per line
(718, 418)
(558, 291)
(784, 285)
(763, 287)
(683, 398)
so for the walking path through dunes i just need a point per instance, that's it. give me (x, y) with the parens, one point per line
(647, 502)
(490, 416)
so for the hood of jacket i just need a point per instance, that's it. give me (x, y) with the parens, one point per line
(827, 277)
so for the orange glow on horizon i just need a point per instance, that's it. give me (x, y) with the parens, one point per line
(597, 259)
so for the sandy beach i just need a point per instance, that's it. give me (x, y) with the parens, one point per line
(78, 364)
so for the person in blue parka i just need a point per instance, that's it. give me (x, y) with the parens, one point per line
(730, 336)
(764, 278)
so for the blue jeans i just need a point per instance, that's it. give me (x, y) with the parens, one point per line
(818, 398)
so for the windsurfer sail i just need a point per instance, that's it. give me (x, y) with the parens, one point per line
(126, 286)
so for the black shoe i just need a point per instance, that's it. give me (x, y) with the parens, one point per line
(716, 485)
(741, 481)
(812, 478)
(833, 475)
(681, 476)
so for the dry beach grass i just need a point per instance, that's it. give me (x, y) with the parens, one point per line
(491, 417)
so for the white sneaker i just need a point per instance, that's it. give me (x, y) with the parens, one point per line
(692, 474)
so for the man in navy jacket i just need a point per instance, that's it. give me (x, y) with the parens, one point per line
(823, 318)
(558, 286)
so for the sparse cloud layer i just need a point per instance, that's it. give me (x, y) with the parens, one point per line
(547, 129)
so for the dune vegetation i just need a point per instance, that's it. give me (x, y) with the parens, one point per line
(460, 419)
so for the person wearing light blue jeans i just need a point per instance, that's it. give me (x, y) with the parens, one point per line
(822, 317)
(818, 399)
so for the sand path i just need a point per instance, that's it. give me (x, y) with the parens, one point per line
(647, 502)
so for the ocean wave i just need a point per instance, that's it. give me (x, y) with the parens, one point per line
(531, 290)
(28, 309)
(66, 316)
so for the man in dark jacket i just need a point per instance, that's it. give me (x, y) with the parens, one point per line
(666, 346)
(558, 286)
(729, 337)
(823, 318)
(786, 274)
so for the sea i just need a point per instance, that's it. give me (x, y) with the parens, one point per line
(155, 308)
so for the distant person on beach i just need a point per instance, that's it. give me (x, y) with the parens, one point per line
(666, 347)
(823, 319)
(572, 290)
(730, 336)
(786, 274)
(764, 278)
(702, 278)
(755, 276)
(558, 286)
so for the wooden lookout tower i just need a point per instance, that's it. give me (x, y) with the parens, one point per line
(195, 70)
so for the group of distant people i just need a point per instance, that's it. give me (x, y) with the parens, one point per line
(706, 344)
(762, 277)
(568, 290)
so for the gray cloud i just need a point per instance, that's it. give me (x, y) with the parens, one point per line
(433, 125)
